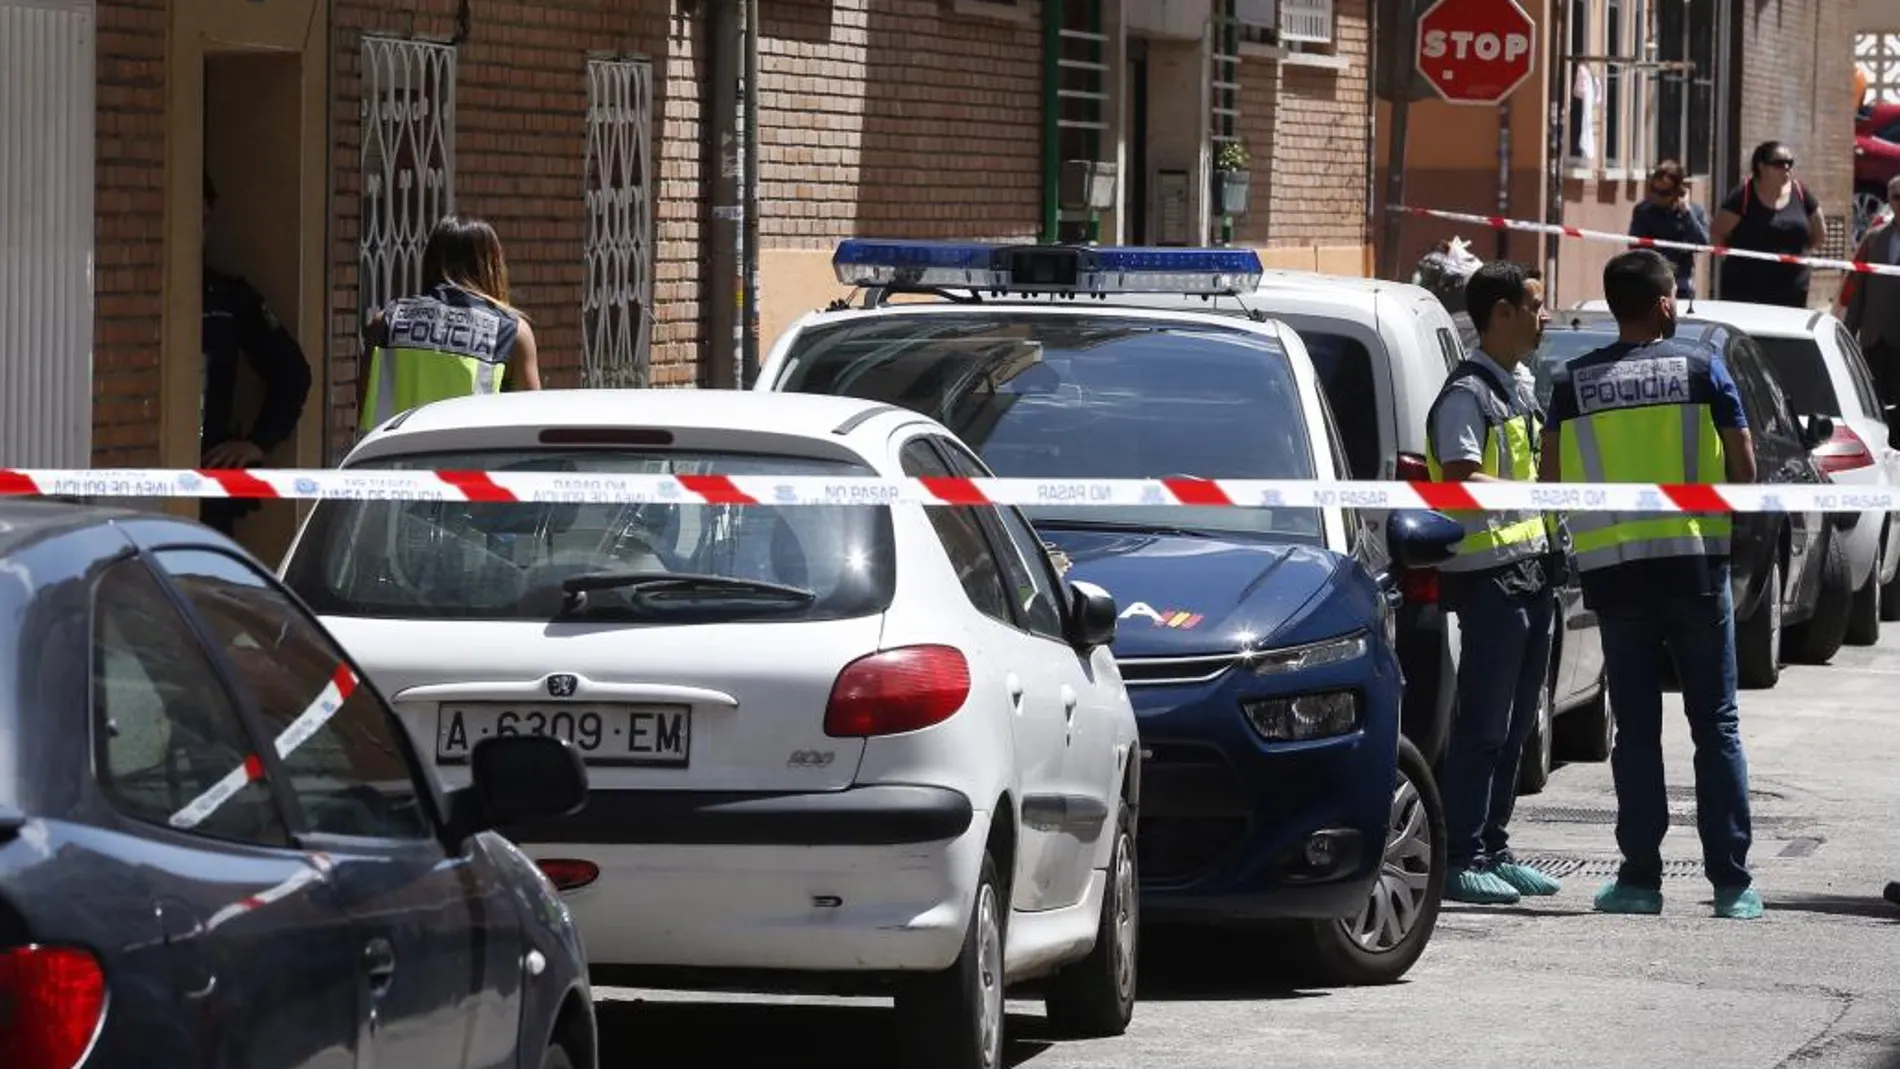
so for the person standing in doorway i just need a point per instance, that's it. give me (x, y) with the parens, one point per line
(1873, 310)
(1484, 427)
(1771, 212)
(1647, 409)
(1668, 214)
(236, 322)
(456, 338)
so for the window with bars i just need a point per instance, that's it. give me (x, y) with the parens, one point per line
(1293, 25)
(408, 161)
(1686, 31)
(1082, 101)
(616, 309)
(1649, 111)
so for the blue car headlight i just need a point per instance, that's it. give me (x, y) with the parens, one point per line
(1307, 716)
(1272, 662)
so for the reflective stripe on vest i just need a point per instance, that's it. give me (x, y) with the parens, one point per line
(1494, 539)
(1649, 444)
(437, 349)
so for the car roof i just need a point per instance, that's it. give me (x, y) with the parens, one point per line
(1587, 320)
(813, 416)
(28, 520)
(1158, 306)
(1764, 320)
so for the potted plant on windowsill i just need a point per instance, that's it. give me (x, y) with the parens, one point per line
(1087, 186)
(1233, 174)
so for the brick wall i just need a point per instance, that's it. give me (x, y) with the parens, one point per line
(130, 217)
(1306, 129)
(897, 118)
(1796, 86)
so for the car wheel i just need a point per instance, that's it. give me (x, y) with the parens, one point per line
(1863, 616)
(1533, 769)
(1588, 732)
(1890, 597)
(1382, 942)
(1095, 997)
(1819, 638)
(1758, 638)
(557, 1057)
(954, 1019)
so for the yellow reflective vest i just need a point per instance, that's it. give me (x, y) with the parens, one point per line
(450, 342)
(1493, 539)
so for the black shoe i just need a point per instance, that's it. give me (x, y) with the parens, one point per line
(1893, 892)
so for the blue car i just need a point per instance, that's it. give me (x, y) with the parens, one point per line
(1257, 643)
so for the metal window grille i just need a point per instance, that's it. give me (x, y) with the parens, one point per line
(1878, 57)
(1306, 21)
(1082, 97)
(616, 311)
(408, 138)
(1226, 65)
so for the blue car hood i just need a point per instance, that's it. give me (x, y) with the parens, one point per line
(1187, 595)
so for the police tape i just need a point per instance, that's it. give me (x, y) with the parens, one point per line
(678, 489)
(1499, 222)
(341, 685)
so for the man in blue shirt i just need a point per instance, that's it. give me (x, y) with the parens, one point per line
(1648, 409)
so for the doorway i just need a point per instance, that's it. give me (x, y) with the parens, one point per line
(1136, 203)
(253, 154)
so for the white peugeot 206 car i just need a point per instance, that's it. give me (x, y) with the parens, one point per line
(882, 743)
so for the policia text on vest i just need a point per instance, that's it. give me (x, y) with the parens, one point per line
(448, 343)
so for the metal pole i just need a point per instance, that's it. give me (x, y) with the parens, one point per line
(1404, 31)
(1504, 175)
(749, 364)
(1051, 119)
(722, 289)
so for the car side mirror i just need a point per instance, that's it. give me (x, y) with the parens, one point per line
(1421, 539)
(1092, 616)
(1816, 430)
(518, 777)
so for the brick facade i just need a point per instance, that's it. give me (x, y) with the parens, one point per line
(1797, 87)
(128, 290)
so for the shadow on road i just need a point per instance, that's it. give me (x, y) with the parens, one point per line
(1211, 965)
(718, 1035)
(1871, 907)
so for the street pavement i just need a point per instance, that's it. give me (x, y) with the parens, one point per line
(1545, 985)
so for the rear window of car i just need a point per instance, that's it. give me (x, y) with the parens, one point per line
(681, 562)
(1085, 396)
(1798, 363)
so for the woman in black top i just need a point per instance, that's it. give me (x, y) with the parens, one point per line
(1771, 212)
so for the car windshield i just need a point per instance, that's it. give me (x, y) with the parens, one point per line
(1086, 397)
(657, 562)
(1802, 369)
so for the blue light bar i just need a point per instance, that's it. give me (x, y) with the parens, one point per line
(1052, 269)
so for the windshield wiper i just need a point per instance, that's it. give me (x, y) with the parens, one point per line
(1122, 525)
(578, 586)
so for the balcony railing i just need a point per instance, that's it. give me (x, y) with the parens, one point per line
(1309, 21)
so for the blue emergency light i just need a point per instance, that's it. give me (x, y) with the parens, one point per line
(1054, 269)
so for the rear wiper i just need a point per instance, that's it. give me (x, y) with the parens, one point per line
(1122, 525)
(577, 587)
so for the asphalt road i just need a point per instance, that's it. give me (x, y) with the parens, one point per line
(1544, 986)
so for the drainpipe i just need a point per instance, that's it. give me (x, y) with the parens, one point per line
(749, 362)
(1051, 119)
(722, 224)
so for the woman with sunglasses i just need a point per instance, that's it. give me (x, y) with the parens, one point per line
(1771, 212)
(1668, 214)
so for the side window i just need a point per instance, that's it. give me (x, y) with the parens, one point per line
(1451, 349)
(962, 536)
(1351, 516)
(338, 743)
(1761, 397)
(1037, 591)
(169, 739)
(1857, 370)
(1344, 368)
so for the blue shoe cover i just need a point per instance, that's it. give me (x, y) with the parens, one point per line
(1479, 887)
(1738, 903)
(1525, 879)
(1616, 898)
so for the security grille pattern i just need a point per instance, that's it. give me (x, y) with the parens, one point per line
(1878, 57)
(616, 311)
(408, 162)
(1308, 21)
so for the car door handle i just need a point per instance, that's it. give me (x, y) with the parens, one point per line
(379, 965)
(1068, 702)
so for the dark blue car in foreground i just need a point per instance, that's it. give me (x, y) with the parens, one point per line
(1257, 643)
(217, 847)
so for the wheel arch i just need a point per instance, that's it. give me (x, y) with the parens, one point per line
(576, 1030)
(1002, 840)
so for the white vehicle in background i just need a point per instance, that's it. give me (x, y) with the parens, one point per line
(1821, 368)
(878, 745)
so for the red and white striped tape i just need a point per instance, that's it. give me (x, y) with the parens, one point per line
(603, 488)
(317, 867)
(1524, 226)
(331, 698)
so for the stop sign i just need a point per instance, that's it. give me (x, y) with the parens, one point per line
(1476, 51)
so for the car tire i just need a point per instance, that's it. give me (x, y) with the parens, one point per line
(1863, 615)
(1533, 768)
(1889, 596)
(1758, 638)
(557, 1057)
(1408, 889)
(1817, 639)
(1094, 998)
(953, 1019)
(1588, 732)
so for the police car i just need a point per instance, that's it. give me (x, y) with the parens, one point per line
(1257, 642)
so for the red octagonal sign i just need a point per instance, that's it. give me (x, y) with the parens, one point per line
(1476, 51)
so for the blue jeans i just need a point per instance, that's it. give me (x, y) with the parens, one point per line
(1699, 631)
(1504, 654)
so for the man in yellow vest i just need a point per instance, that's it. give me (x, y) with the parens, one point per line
(1484, 426)
(1648, 409)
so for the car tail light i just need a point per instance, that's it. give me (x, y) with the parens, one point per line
(1419, 587)
(1843, 452)
(897, 690)
(568, 874)
(51, 1002)
(1412, 468)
